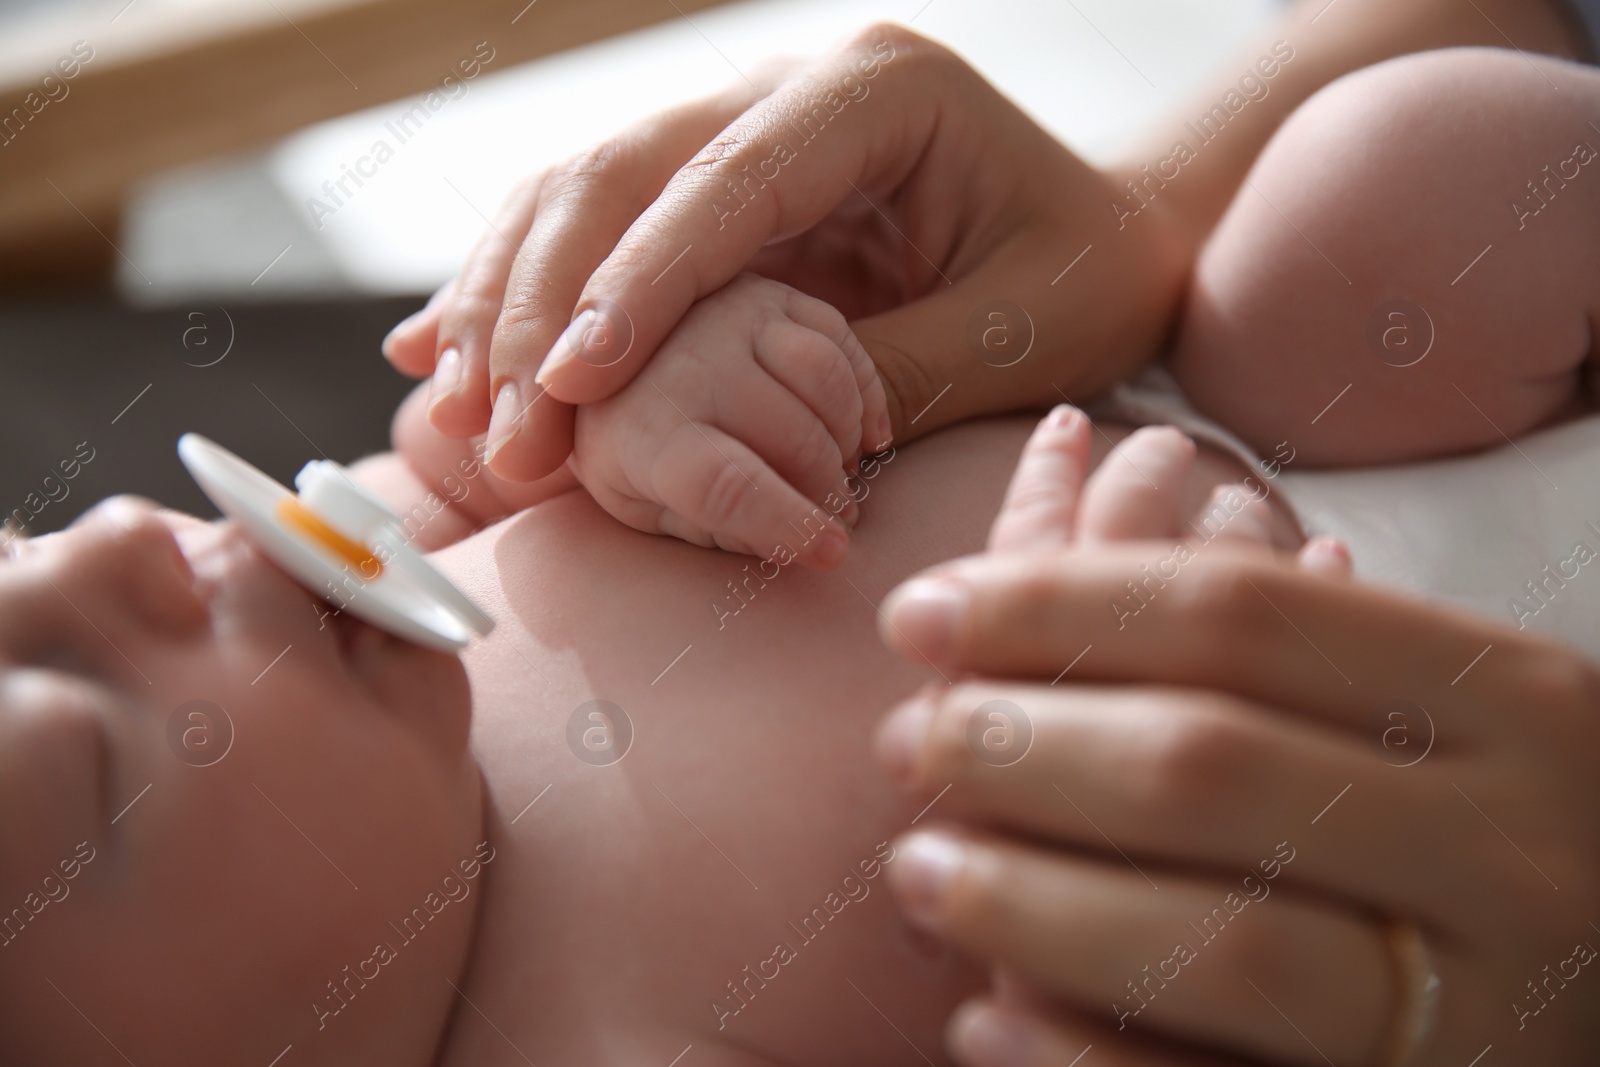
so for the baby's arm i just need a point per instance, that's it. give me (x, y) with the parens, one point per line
(1436, 289)
(1064, 288)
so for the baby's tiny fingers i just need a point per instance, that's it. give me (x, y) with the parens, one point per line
(875, 430)
(1327, 556)
(1138, 491)
(1235, 514)
(1042, 499)
(842, 498)
(813, 368)
(715, 482)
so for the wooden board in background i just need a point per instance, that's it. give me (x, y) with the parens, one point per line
(172, 85)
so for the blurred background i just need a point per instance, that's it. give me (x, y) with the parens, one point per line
(183, 245)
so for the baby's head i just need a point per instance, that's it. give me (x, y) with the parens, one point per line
(215, 800)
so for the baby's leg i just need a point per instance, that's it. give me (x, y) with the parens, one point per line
(1413, 266)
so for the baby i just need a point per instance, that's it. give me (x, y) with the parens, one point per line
(1327, 318)
(240, 827)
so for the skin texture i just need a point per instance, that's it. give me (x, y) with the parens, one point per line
(1287, 306)
(933, 194)
(600, 612)
(1228, 741)
(762, 403)
(216, 901)
(411, 775)
(604, 923)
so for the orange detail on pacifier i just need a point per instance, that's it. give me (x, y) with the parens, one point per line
(291, 511)
(341, 542)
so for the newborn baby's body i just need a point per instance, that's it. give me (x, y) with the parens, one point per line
(721, 886)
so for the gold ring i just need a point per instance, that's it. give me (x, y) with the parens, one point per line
(1417, 993)
(14, 538)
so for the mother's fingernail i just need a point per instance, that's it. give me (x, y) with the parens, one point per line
(446, 376)
(901, 737)
(401, 327)
(925, 865)
(985, 1036)
(506, 421)
(568, 346)
(929, 613)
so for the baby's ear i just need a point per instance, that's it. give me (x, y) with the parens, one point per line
(1041, 503)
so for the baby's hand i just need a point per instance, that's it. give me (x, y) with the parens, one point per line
(742, 429)
(1141, 491)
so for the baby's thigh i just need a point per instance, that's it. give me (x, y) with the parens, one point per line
(1412, 267)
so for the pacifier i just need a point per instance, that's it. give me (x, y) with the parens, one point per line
(339, 541)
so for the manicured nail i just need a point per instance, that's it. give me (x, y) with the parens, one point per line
(399, 328)
(901, 738)
(929, 614)
(568, 347)
(924, 867)
(985, 1036)
(446, 376)
(506, 421)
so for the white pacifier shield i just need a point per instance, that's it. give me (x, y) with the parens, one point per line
(409, 598)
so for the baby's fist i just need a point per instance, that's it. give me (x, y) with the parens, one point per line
(741, 430)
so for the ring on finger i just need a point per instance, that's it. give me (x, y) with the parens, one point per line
(1417, 998)
(15, 539)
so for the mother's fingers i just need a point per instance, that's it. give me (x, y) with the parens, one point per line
(458, 401)
(1239, 620)
(517, 288)
(759, 180)
(1173, 776)
(1200, 959)
(986, 1032)
(410, 346)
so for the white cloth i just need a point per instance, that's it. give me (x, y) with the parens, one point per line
(1512, 534)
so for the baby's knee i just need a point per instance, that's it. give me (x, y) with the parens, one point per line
(1377, 246)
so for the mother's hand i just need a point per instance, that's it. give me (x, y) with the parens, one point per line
(1312, 771)
(887, 178)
